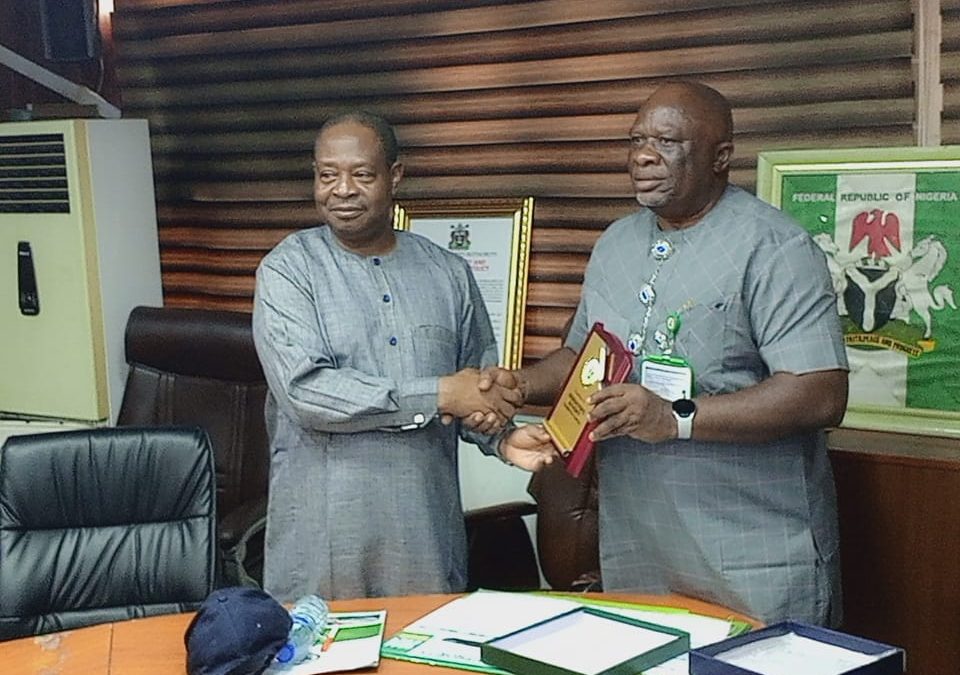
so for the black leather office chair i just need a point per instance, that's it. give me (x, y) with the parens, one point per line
(103, 525)
(199, 367)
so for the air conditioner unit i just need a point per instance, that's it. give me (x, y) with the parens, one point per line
(78, 250)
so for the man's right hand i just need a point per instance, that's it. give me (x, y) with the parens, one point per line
(459, 395)
(489, 377)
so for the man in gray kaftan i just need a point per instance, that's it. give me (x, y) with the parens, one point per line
(751, 526)
(366, 337)
(357, 508)
(721, 490)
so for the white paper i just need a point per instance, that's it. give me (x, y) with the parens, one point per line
(584, 643)
(485, 615)
(703, 630)
(793, 654)
(665, 380)
(679, 665)
(451, 635)
(341, 655)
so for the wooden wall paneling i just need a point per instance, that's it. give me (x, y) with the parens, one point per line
(579, 213)
(294, 24)
(489, 99)
(900, 542)
(441, 78)
(218, 16)
(239, 215)
(556, 239)
(542, 321)
(185, 259)
(172, 236)
(588, 104)
(191, 298)
(562, 146)
(559, 267)
(558, 294)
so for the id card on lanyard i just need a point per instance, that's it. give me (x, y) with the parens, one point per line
(670, 377)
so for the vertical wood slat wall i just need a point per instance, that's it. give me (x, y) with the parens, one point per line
(491, 98)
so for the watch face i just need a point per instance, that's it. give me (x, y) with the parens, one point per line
(684, 407)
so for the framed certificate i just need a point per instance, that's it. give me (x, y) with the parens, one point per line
(493, 235)
(888, 222)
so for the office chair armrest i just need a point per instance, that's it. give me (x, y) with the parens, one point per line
(236, 524)
(241, 544)
(478, 516)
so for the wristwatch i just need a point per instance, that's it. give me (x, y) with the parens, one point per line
(683, 410)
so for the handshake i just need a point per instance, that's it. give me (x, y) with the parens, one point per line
(484, 400)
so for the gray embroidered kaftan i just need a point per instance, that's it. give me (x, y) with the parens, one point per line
(364, 493)
(752, 526)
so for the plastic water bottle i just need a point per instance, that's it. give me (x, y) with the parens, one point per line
(309, 616)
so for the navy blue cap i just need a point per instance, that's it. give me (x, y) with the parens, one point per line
(237, 631)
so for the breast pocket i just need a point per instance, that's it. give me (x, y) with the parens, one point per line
(704, 337)
(435, 349)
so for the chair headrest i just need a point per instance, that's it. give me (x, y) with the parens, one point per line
(217, 344)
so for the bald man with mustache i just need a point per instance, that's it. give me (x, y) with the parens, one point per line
(714, 479)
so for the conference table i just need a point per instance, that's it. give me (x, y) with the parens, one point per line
(154, 645)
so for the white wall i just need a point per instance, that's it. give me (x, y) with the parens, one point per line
(485, 480)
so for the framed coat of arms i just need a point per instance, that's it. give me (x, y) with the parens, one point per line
(888, 222)
(493, 236)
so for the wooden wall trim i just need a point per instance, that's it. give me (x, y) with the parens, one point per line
(900, 540)
(897, 448)
(926, 62)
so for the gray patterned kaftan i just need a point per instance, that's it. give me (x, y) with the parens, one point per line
(364, 493)
(750, 526)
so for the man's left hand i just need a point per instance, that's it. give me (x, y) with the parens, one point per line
(632, 410)
(528, 447)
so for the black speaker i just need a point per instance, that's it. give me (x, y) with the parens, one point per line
(70, 30)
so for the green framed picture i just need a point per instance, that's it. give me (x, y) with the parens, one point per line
(888, 221)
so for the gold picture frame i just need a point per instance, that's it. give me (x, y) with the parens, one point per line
(493, 235)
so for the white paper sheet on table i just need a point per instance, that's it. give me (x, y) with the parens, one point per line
(488, 614)
(451, 635)
(343, 654)
(793, 654)
(703, 630)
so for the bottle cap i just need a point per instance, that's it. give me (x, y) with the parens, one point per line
(285, 654)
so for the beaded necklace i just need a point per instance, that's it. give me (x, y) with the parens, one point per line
(661, 250)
